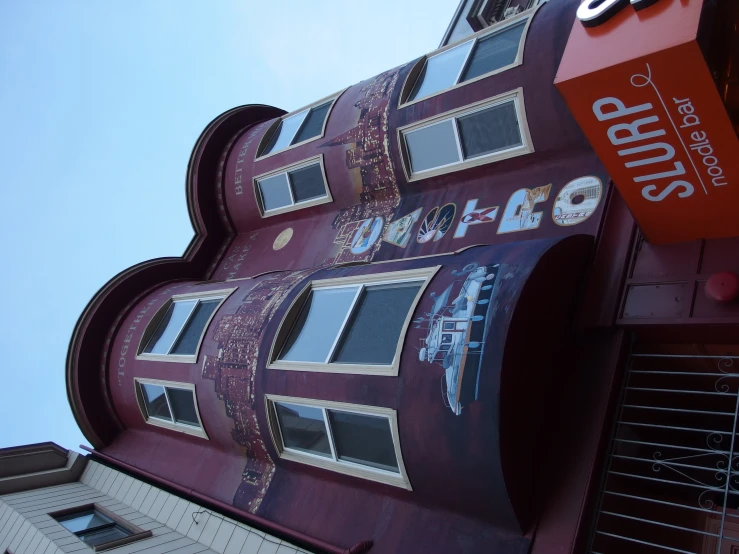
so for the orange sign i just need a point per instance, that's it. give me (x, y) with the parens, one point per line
(640, 89)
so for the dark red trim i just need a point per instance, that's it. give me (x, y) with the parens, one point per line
(264, 524)
(614, 245)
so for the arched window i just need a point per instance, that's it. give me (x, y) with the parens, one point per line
(297, 128)
(350, 324)
(488, 52)
(176, 331)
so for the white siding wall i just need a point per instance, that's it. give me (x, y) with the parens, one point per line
(26, 527)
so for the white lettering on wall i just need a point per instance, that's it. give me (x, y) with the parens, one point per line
(596, 12)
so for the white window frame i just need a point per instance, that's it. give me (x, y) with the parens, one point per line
(399, 479)
(153, 324)
(415, 73)
(422, 276)
(295, 205)
(526, 146)
(136, 533)
(172, 425)
(273, 128)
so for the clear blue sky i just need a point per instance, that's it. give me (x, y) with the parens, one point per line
(100, 105)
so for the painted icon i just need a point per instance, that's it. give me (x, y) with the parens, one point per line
(399, 231)
(366, 235)
(577, 201)
(282, 239)
(519, 214)
(456, 329)
(472, 215)
(436, 223)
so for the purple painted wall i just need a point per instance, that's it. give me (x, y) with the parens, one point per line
(366, 178)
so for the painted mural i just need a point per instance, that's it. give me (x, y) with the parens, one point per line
(399, 232)
(472, 215)
(238, 336)
(366, 235)
(577, 201)
(456, 324)
(370, 155)
(520, 213)
(436, 223)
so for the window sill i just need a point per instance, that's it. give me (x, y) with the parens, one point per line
(473, 162)
(122, 542)
(387, 478)
(187, 429)
(353, 369)
(299, 206)
(175, 358)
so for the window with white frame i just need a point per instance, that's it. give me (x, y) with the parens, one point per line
(352, 325)
(475, 15)
(292, 187)
(487, 132)
(296, 129)
(99, 528)
(491, 52)
(176, 331)
(170, 405)
(357, 440)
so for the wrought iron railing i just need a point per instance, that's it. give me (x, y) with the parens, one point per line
(672, 476)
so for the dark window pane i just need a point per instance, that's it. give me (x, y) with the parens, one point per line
(183, 406)
(489, 130)
(190, 336)
(318, 325)
(156, 402)
(168, 328)
(303, 428)
(432, 146)
(307, 183)
(104, 535)
(363, 439)
(313, 123)
(272, 140)
(275, 192)
(84, 520)
(494, 52)
(440, 72)
(371, 335)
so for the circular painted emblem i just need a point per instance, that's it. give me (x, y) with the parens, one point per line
(577, 201)
(282, 239)
(436, 223)
(367, 235)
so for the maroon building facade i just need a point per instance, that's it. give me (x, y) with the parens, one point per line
(405, 318)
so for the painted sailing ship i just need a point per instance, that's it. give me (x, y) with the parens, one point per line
(457, 324)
